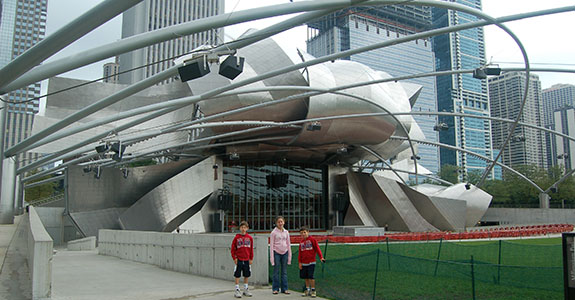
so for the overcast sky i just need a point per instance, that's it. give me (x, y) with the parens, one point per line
(543, 37)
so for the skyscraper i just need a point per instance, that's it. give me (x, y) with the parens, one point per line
(22, 24)
(462, 93)
(111, 72)
(558, 97)
(150, 15)
(563, 149)
(527, 145)
(555, 97)
(358, 27)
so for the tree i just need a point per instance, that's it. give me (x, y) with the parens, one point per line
(449, 173)
(41, 191)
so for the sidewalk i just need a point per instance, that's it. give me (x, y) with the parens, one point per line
(78, 275)
(14, 277)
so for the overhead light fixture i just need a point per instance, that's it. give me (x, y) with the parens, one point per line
(314, 126)
(342, 150)
(518, 138)
(234, 156)
(479, 74)
(194, 69)
(97, 172)
(125, 173)
(119, 149)
(231, 67)
(482, 73)
(87, 169)
(441, 127)
(492, 71)
(102, 148)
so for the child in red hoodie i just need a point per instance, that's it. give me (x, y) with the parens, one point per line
(308, 248)
(243, 256)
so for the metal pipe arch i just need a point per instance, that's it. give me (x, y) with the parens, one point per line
(362, 49)
(298, 66)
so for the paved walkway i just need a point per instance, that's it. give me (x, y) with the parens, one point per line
(87, 275)
(14, 277)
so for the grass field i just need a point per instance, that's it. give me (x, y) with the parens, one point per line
(529, 269)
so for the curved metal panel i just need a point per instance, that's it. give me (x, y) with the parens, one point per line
(260, 58)
(477, 201)
(444, 214)
(171, 203)
(379, 98)
(86, 193)
(402, 204)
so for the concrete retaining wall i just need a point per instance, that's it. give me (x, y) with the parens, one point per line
(521, 216)
(198, 254)
(40, 247)
(59, 227)
(84, 244)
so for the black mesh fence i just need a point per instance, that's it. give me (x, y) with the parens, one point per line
(436, 270)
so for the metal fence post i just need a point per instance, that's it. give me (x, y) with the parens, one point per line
(376, 271)
(438, 255)
(324, 256)
(472, 278)
(388, 257)
(499, 264)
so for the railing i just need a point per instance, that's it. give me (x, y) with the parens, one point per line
(50, 199)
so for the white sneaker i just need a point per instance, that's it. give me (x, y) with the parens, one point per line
(238, 294)
(247, 293)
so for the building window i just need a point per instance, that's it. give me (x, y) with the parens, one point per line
(263, 190)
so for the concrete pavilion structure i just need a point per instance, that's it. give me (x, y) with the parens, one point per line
(296, 157)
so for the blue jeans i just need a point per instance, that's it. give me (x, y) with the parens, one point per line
(280, 261)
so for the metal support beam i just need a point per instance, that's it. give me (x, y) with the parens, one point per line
(66, 35)
(476, 155)
(190, 100)
(8, 187)
(41, 182)
(120, 95)
(168, 33)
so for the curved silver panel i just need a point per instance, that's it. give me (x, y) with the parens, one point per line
(477, 201)
(86, 193)
(174, 201)
(260, 58)
(267, 56)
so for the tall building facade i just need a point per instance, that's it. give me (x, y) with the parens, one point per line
(461, 93)
(358, 27)
(22, 25)
(111, 72)
(563, 149)
(527, 145)
(556, 97)
(151, 15)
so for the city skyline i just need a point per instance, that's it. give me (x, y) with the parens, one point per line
(543, 49)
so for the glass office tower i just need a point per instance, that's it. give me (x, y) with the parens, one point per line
(22, 25)
(357, 27)
(462, 93)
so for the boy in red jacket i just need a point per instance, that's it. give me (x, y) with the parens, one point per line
(308, 248)
(243, 256)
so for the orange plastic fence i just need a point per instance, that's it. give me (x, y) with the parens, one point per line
(516, 231)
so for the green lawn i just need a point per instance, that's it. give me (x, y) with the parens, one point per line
(530, 269)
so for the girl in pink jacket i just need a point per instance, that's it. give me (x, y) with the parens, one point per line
(280, 256)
